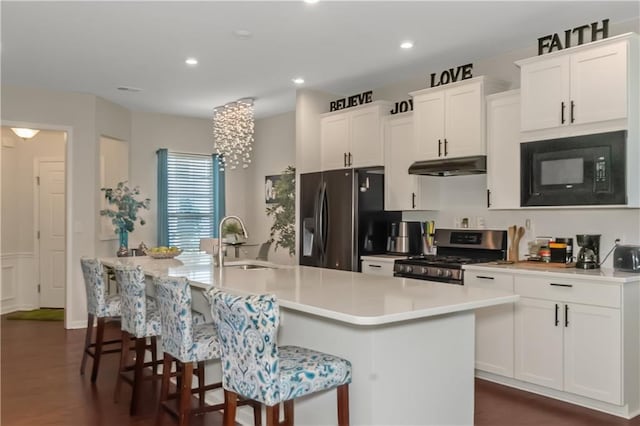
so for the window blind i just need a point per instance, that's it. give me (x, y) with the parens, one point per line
(190, 204)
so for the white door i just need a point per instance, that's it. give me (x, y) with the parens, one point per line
(428, 123)
(544, 87)
(51, 219)
(400, 187)
(464, 121)
(599, 83)
(593, 360)
(366, 141)
(538, 342)
(334, 141)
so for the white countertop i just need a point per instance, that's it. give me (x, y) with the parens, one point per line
(350, 297)
(602, 274)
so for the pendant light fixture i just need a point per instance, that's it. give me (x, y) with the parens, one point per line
(233, 133)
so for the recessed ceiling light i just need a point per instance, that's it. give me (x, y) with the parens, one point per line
(311, 1)
(191, 61)
(298, 80)
(129, 89)
(406, 44)
(242, 34)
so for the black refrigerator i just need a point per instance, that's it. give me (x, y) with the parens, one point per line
(342, 217)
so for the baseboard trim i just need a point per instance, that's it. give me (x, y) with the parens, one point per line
(614, 410)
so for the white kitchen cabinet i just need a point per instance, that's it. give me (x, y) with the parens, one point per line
(449, 121)
(353, 137)
(563, 344)
(503, 150)
(574, 87)
(494, 325)
(379, 264)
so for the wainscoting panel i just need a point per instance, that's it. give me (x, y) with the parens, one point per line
(19, 290)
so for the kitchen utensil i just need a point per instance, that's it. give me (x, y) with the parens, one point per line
(511, 234)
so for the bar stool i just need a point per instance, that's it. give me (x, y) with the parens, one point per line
(100, 306)
(140, 319)
(254, 367)
(186, 343)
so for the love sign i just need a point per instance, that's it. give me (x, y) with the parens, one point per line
(452, 75)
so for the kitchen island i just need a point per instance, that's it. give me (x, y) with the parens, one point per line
(411, 342)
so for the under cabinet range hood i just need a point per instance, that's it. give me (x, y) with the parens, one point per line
(450, 166)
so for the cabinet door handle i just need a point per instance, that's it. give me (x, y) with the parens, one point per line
(562, 112)
(572, 108)
(374, 266)
(566, 315)
(344, 159)
(484, 277)
(413, 200)
(557, 310)
(445, 147)
(439, 148)
(488, 198)
(561, 285)
(350, 159)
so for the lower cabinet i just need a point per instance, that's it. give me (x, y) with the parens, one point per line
(379, 265)
(494, 325)
(569, 346)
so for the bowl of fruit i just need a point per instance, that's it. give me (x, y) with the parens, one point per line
(163, 252)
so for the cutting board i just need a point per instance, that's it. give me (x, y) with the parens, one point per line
(544, 265)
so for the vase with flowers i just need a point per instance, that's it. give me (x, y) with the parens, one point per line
(125, 215)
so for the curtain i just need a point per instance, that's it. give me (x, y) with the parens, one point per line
(218, 193)
(163, 222)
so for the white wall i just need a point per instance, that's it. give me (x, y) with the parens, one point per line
(273, 151)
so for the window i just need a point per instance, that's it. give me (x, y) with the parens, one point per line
(190, 206)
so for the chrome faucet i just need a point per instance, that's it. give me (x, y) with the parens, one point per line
(244, 234)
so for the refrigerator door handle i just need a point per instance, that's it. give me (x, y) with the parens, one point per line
(317, 244)
(324, 219)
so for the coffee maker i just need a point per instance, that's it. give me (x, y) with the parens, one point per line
(404, 238)
(589, 253)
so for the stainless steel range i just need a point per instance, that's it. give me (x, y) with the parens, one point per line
(455, 247)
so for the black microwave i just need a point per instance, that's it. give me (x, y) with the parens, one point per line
(574, 171)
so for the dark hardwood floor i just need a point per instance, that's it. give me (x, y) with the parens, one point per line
(41, 385)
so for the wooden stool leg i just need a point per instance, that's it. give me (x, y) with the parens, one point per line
(124, 357)
(201, 384)
(257, 413)
(167, 360)
(288, 412)
(137, 375)
(154, 354)
(343, 405)
(273, 415)
(230, 405)
(185, 394)
(87, 343)
(98, 349)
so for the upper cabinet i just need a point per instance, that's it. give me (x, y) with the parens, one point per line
(584, 89)
(503, 150)
(449, 121)
(353, 137)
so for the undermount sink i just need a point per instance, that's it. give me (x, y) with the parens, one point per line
(248, 266)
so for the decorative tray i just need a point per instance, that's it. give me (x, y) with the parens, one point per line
(164, 255)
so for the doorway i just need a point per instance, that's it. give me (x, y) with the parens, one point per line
(34, 219)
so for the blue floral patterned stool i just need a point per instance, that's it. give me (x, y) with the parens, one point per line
(102, 307)
(140, 320)
(254, 367)
(186, 343)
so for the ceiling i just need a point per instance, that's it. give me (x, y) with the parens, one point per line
(339, 47)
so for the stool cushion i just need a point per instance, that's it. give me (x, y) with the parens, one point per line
(206, 344)
(304, 371)
(111, 308)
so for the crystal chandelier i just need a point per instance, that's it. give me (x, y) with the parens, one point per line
(233, 133)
